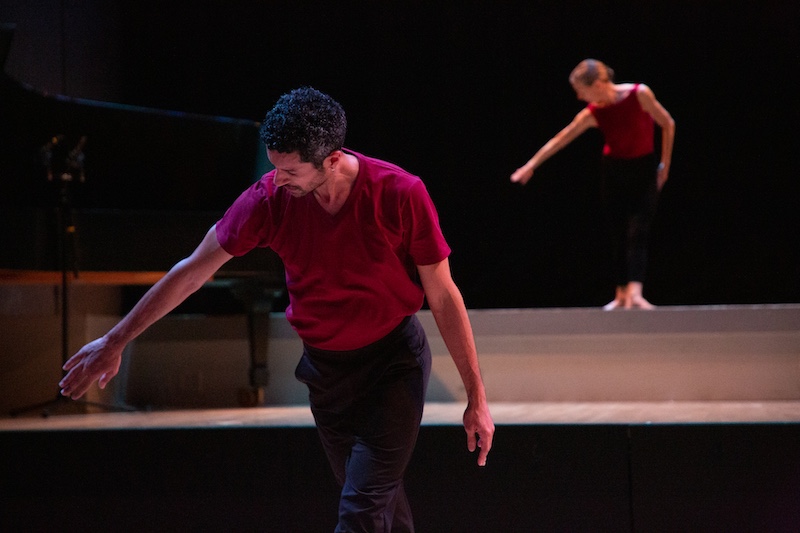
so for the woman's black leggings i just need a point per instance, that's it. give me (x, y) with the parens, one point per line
(630, 195)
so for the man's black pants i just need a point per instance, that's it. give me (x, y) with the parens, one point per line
(367, 404)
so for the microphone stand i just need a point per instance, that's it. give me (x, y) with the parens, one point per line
(66, 243)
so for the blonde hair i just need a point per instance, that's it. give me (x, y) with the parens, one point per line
(590, 70)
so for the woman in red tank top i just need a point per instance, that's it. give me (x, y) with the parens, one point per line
(625, 113)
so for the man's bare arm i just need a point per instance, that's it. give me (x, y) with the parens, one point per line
(100, 359)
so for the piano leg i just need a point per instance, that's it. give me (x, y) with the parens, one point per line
(258, 300)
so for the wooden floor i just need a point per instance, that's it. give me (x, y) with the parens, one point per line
(504, 413)
(714, 365)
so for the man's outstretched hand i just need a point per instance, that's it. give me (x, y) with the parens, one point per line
(97, 361)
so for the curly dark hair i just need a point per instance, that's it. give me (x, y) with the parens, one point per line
(305, 121)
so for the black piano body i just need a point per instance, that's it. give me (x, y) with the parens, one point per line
(151, 184)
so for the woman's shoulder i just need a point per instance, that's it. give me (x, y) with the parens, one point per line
(624, 90)
(638, 89)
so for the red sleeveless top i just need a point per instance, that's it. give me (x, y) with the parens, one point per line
(627, 128)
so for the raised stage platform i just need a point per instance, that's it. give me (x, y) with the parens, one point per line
(631, 466)
(678, 419)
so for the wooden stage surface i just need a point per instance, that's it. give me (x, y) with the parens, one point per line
(436, 413)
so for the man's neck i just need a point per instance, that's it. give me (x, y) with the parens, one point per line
(333, 194)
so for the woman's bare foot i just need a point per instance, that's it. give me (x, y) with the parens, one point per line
(613, 304)
(629, 297)
(638, 303)
(619, 299)
(634, 298)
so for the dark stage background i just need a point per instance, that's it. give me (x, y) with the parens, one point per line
(462, 93)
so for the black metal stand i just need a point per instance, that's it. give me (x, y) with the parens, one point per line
(66, 243)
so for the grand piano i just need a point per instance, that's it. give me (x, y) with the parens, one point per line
(98, 192)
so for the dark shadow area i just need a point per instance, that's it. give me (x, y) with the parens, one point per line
(464, 95)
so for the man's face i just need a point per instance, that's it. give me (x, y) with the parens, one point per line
(294, 175)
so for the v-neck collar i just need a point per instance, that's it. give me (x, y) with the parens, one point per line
(354, 191)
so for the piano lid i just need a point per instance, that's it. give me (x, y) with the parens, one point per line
(134, 157)
(155, 181)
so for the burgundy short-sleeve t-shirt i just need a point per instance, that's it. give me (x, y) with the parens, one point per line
(351, 277)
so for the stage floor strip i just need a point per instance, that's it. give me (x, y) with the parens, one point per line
(504, 413)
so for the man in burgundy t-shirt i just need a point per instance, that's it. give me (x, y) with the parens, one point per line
(362, 247)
